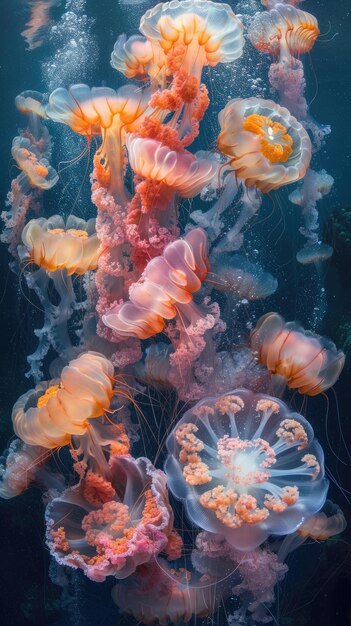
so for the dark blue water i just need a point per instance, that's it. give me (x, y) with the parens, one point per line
(317, 589)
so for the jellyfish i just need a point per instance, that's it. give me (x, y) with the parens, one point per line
(155, 368)
(108, 525)
(18, 467)
(315, 186)
(102, 110)
(237, 276)
(37, 170)
(59, 250)
(267, 147)
(201, 33)
(297, 358)
(192, 34)
(164, 290)
(51, 413)
(245, 467)
(180, 170)
(54, 245)
(139, 59)
(158, 593)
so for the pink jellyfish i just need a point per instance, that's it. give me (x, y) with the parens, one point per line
(164, 290)
(297, 358)
(245, 467)
(267, 147)
(39, 20)
(108, 525)
(18, 467)
(37, 169)
(322, 526)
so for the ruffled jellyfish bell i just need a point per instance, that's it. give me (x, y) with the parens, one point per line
(284, 31)
(297, 358)
(109, 526)
(266, 145)
(104, 111)
(207, 32)
(38, 170)
(177, 169)
(164, 290)
(55, 245)
(51, 413)
(246, 467)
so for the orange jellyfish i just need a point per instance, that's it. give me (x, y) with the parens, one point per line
(139, 59)
(199, 32)
(37, 168)
(51, 413)
(297, 358)
(322, 526)
(54, 245)
(104, 111)
(178, 169)
(266, 145)
(284, 31)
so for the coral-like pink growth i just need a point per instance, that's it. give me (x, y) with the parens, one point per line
(174, 546)
(307, 362)
(165, 287)
(112, 536)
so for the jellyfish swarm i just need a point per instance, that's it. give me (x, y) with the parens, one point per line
(164, 290)
(315, 186)
(267, 147)
(245, 467)
(159, 593)
(60, 250)
(297, 358)
(48, 415)
(108, 525)
(286, 32)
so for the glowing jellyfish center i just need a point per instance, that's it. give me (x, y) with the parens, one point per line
(276, 143)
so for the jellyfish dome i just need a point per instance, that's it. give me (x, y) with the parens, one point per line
(48, 415)
(137, 58)
(314, 252)
(266, 145)
(56, 245)
(180, 170)
(160, 594)
(166, 284)
(284, 31)
(107, 527)
(239, 276)
(38, 169)
(246, 467)
(307, 362)
(209, 32)
(324, 524)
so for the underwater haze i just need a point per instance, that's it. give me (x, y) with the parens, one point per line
(175, 242)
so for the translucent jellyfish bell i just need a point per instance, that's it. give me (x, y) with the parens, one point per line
(237, 275)
(54, 244)
(284, 31)
(180, 170)
(139, 59)
(209, 32)
(266, 145)
(303, 360)
(33, 164)
(245, 467)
